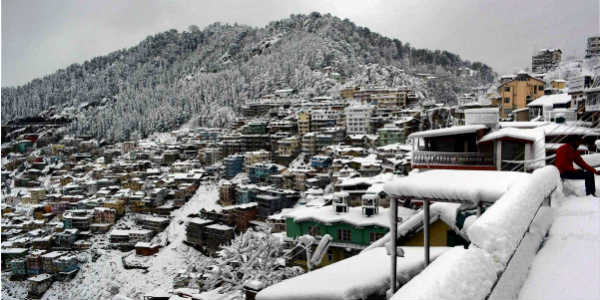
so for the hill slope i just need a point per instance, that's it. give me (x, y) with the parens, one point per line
(172, 76)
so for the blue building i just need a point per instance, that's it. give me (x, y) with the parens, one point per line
(260, 172)
(320, 162)
(233, 165)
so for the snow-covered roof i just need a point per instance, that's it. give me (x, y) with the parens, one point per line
(521, 124)
(447, 131)
(551, 100)
(356, 277)
(554, 129)
(354, 216)
(455, 185)
(513, 133)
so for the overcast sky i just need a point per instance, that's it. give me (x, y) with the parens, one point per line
(39, 37)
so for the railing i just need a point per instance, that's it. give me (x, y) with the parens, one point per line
(434, 158)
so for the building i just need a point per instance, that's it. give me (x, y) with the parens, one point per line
(227, 192)
(592, 103)
(352, 228)
(576, 87)
(592, 46)
(156, 224)
(215, 235)
(358, 119)
(517, 92)
(303, 122)
(261, 171)
(323, 118)
(546, 106)
(234, 165)
(194, 229)
(390, 134)
(309, 143)
(545, 60)
(259, 156)
(287, 149)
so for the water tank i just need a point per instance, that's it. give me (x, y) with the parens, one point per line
(482, 116)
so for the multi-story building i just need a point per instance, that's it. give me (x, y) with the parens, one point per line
(323, 118)
(358, 119)
(545, 60)
(309, 143)
(592, 102)
(517, 92)
(576, 87)
(233, 165)
(258, 156)
(593, 46)
(287, 149)
(348, 93)
(390, 134)
(303, 122)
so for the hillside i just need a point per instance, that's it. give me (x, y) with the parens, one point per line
(166, 79)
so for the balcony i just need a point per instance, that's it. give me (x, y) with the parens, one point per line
(453, 160)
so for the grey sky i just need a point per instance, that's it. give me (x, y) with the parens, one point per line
(39, 37)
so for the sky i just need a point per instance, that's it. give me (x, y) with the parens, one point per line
(41, 36)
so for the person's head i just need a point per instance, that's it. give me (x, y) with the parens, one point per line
(574, 140)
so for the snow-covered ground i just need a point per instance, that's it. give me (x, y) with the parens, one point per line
(106, 276)
(568, 264)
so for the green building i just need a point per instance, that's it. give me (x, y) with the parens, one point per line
(352, 228)
(390, 134)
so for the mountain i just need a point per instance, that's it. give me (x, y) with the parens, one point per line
(172, 76)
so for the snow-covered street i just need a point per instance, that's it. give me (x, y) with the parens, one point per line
(568, 264)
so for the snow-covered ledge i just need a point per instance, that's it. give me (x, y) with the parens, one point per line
(503, 242)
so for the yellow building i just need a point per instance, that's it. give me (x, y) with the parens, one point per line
(117, 205)
(518, 92)
(558, 84)
(348, 93)
(303, 122)
(288, 146)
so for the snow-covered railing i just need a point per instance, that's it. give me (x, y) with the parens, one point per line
(434, 158)
(503, 241)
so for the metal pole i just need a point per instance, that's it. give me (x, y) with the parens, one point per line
(393, 235)
(426, 229)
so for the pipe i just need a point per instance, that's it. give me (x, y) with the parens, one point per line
(394, 237)
(426, 230)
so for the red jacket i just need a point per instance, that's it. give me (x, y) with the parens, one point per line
(566, 156)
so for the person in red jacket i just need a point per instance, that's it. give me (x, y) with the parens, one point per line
(566, 155)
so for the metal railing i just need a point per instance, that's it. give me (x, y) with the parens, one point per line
(435, 158)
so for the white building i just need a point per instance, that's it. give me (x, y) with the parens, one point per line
(357, 119)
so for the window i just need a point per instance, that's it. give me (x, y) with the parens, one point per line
(344, 235)
(507, 89)
(373, 236)
(506, 100)
(314, 230)
(329, 255)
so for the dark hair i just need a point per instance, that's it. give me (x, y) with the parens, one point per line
(573, 138)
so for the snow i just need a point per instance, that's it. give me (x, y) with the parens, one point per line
(455, 185)
(356, 277)
(514, 275)
(521, 124)
(354, 215)
(106, 276)
(457, 274)
(514, 133)
(551, 100)
(499, 230)
(447, 131)
(568, 264)
(445, 211)
(554, 129)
